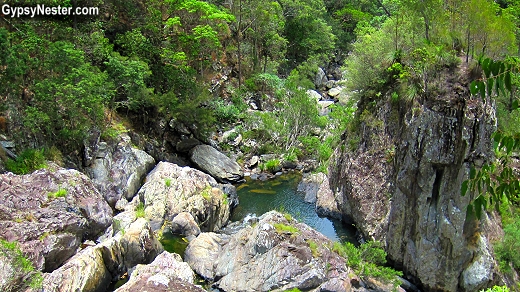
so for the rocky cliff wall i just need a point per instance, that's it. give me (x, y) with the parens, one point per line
(402, 186)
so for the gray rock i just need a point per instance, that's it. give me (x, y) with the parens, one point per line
(309, 185)
(335, 91)
(8, 144)
(184, 146)
(314, 94)
(261, 258)
(253, 161)
(330, 84)
(231, 192)
(216, 164)
(185, 225)
(93, 268)
(171, 189)
(49, 212)
(121, 171)
(166, 273)
(321, 78)
(90, 147)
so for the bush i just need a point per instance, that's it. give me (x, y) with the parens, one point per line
(28, 161)
(228, 113)
(368, 260)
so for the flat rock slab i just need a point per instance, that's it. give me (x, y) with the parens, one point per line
(218, 165)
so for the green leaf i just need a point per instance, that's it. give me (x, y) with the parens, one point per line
(480, 202)
(464, 188)
(497, 137)
(507, 81)
(514, 105)
(495, 67)
(490, 86)
(482, 88)
(472, 173)
(473, 87)
(486, 66)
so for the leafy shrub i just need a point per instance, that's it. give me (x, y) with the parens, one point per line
(28, 161)
(272, 164)
(54, 154)
(507, 250)
(367, 260)
(225, 112)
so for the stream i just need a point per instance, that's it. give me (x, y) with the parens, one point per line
(257, 197)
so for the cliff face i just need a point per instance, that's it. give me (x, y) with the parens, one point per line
(402, 186)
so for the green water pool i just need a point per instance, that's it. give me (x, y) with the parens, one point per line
(280, 193)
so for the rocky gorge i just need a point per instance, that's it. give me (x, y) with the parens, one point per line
(399, 186)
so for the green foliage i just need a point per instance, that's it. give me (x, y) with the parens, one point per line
(225, 200)
(283, 228)
(139, 210)
(368, 260)
(206, 193)
(21, 264)
(70, 99)
(293, 290)
(507, 249)
(497, 289)
(272, 165)
(28, 161)
(60, 193)
(497, 79)
(226, 113)
(314, 248)
(167, 182)
(129, 76)
(494, 182)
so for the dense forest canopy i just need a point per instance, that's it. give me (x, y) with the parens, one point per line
(196, 62)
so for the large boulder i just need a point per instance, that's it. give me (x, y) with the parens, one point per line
(171, 189)
(118, 171)
(216, 164)
(264, 257)
(95, 267)
(50, 212)
(166, 273)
